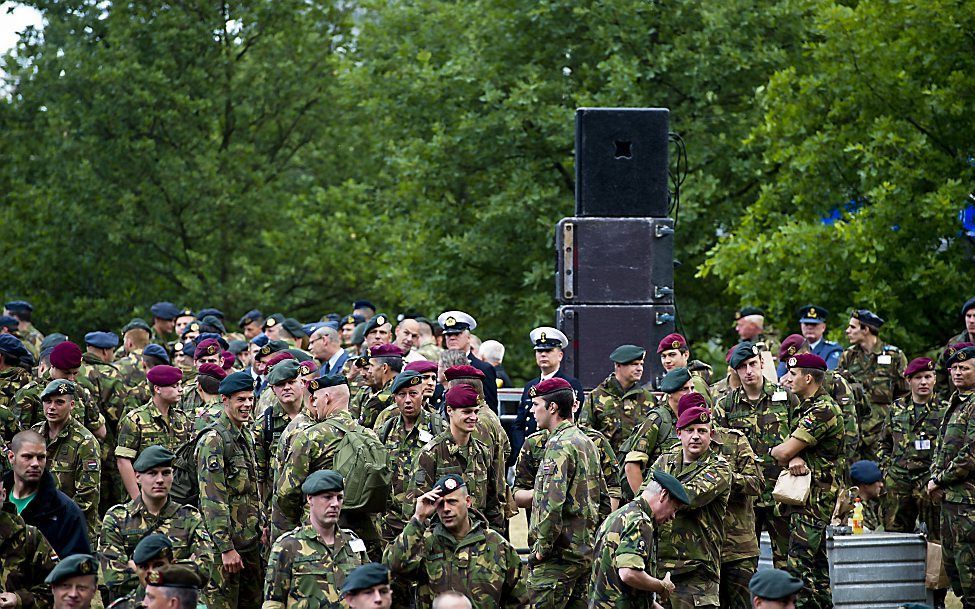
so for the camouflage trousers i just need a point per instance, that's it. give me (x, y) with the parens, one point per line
(958, 544)
(807, 560)
(244, 589)
(694, 589)
(871, 428)
(777, 525)
(906, 504)
(559, 585)
(735, 576)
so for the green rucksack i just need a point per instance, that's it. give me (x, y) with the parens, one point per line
(364, 464)
(186, 485)
(663, 434)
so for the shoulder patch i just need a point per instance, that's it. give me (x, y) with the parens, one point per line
(91, 466)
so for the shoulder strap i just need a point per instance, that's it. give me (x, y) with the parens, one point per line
(268, 426)
(387, 429)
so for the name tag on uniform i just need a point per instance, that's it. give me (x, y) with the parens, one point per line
(425, 436)
(779, 396)
(357, 545)
(883, 360)
(922, 444)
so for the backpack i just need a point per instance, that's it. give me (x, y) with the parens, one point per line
(364, 464)
(666, 428)
(186, 485)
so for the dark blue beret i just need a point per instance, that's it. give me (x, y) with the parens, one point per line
(250, 317)
(19, 306)
(326, 380)
(774, 584)
(164, 310)
(210, 311)
(959, 355)
(156, 351)
(273, 319)
(152, 546)
(968, 305)
(333, 317)
(212, 324)
(11, 345)
(73, 566)
(865, 472)
(207, 335)
(11, 323)
(260, 340)
(743, 352)
(101, 340)
(366, 576)
(868, 318)
(238, 381)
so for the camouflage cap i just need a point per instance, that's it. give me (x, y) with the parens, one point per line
(407, 378)
(58, 387)
(323, 481)
(174, 576)
(674, 381)
(774, 584)
(672, 485)
(365, 576)
(152, 546)
(153, 456)
(624, 354)
(73, 566)
(283, 371)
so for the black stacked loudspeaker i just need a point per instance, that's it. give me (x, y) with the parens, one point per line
(615, 257)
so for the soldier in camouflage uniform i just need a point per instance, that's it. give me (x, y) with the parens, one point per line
(739, 554)
(135, 338)
(879, 368)
(766, 414)
(228, 493)
(564, 503)
(625, 566)
(164, 316)
(404, 434)
(953, 478)
(868, 484)
(617, 405)
(815, 446)
(151, 553)
(72, 451)
(379, 366)
(206, 389)
(313, 449)
(26, 558)
(13, 376)
(457, 552)
(907, 449)
(308, 565)
(966, 337)
(489, 429)
(151, 511)
(750, 326)
(656, 434)
(157, 422)
(457, 451)
(690, 546)
(22, 311)
(674, 353)
(288, 391)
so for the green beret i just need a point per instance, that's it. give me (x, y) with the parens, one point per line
(380, 319)
(238, 381)
(675, 380)
(73, 566)
(671, 485)
(774, 584)
(366, 576)
(153, 456)
(152, 546)
(742, 352)
(58, 387)
(323, 481)
(136, 323)
(174, 576)
(448, 484)
(283, 371)
(273, 320)
(746, 311)
(624, 354)
(293, 326)
(960, 355)
(407, 378)
(326, 380)
(272, 346)
(358, 334)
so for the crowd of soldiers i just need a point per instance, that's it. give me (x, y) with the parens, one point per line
(360, 461)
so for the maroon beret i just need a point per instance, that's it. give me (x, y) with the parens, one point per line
(727, 356)
(164, 376)
(461, 396)
(228, 360)
(790, 346)
(66, 356)
(206, 347)
(464, 371)
(694, 411)
(689, 400)
(277, 358)
(549, 386)
(213, 370)
(307, 367)
(807, 360)
(919, 364)
(950, 350)
(422, 366)
(386, 350)
(671, 341)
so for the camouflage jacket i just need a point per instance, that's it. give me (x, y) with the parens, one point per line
(207, 413)
(692, 542)
(32, 339)
(267, 433)
(126, 524)
(656, 435)
(228, 488)
(403, 447)
(312, 449)
(820, 425)
(843, 394)
(133, 379)
(9, 426)
(301, 422)
(191, 403)
(305, 573)
(474, 462)
(74, 460)
(532, 451)
(145, 426)
(490, 431)
(29, 411)
(105, 383)
(747, 482)
(626, 540)
(368, 403)
(873, 518)
(25, 560)
(880, 371)
(910, 438)
(565, 499)
(954, 461)
(12, 380)
(766, 424)
(482, 565)
(615, 412)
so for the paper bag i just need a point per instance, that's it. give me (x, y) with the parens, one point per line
(935, 577)
(792, 490)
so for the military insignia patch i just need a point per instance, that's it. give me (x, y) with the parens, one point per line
(541, 337)
(962, 356)
(303, 369)
(195, 327)
(313, 386)
(211, 350)
(91, 466)
(675, 344)
(85, 567)
(63, 389)
(270, 322)
(755, 349)
(213, 464)
(247, 321)
(792, 360)
(705, 417)
(154, 578)
(450, 484)
(380, 320)
(450, 322)
(812, 312)
(178, 347)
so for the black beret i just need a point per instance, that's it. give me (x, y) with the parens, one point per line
(323, 481)
(238, 381)
(624, 354)
(18, 306)
(407, 378)
(153, 456)
(326, 380)
(152, 546)
(73, 566)
(210, 311)
(868, 317)
(272, 346)
(960, 355)
(52, 340)
(366, 576)
(743, 352)
(746, 311)
(374, 322)
(363, 304)
(273, 320)
(11, 323)
(774, 584)
(294, 327)
(212, 323)
(674, 380)
(12, 346)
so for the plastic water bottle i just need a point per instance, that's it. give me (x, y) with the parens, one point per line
(857, 520)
